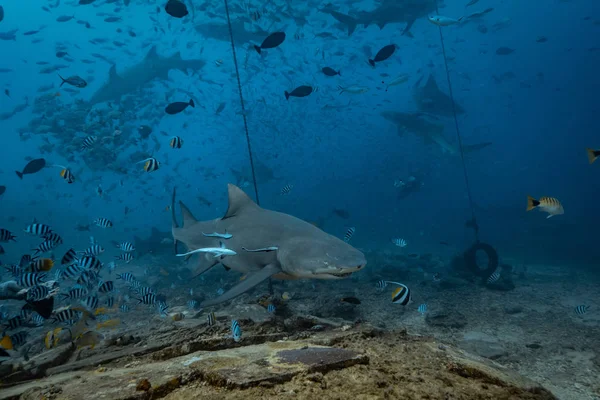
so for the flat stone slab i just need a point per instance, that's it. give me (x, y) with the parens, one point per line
(264, 364)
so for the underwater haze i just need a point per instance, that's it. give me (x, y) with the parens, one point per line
(400, 132)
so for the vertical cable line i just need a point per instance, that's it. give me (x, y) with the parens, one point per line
(460, 144)
(237, 72)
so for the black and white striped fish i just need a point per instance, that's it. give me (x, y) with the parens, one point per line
(38, 229)
(287, 189)
(401, 295)
(37, 319)
(582, 309)
(14, 270)
(44, 247)
(94, 250)
(127, 257)
(26, 311)
(176, 142)
(66, 315)
(31, 279)
(192, 304)
(69, 258)
(72, 271)
(19, 338)
(89, 262)
(381, 284)
(151, 164)
(126, 246)
(67, 175)
(88, 142)
(110, 301)
(147, 299)
(236, 330)
(162, 308)
(37, 293)
(124, 308)
(211, 319)
(349, 233)
(7, 236)
(143, 291)
(90, 302)
(103, 223)
(135, 285)
(41, 264)
(494, 277)
(14, 322)
(106, 287)
(53, 237)
(126, 276)
(76, 292)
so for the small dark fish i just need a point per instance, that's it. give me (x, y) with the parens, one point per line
(300, 91)
(32, 167)
(144, 131)
(2, 250)
(383, 54)
(2, 189)
(330, 71)
(272, 41)
(85, 2)
(179, 106)
(74, 81)
(541, 39)
(176, 8)
(112, 19)
(341, 213)
(7, 93)
(61, 54)
(1, 13)
(351, 300)
(503, 51)
(65, 18)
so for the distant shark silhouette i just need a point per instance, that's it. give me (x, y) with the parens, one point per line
(267, 243)
(220, 31)
(431, 132)
(432, 100)
(135, 78)
(389, 11)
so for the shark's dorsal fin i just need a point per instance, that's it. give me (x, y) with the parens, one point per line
(188, 217)
(112, 73)
(238, 201)
(152, 53)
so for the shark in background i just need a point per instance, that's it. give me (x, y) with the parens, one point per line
(153, 66)
(387, 12)
(422, 125)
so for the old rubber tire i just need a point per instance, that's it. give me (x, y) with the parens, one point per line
(471, 260)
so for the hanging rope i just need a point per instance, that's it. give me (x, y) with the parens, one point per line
(473, 223)
(237, 72)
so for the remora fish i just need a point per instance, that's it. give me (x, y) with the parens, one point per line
(302, 250)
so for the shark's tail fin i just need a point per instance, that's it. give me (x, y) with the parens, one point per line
(592, 155)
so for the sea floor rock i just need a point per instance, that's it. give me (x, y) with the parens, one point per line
(363, 362)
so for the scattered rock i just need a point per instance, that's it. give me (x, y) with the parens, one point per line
(511, 310)
(450, 319)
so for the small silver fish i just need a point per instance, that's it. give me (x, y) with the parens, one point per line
(218, 235)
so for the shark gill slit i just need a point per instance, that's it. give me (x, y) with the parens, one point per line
(460, 144)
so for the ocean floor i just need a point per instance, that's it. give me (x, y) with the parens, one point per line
(470, 343)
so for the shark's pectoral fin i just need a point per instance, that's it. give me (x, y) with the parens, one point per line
(245, 285)
(263, 249)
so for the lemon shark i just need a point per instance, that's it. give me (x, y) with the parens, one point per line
(421, 124)
(267, 244)
(131, 80)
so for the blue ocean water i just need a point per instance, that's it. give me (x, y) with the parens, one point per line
(374, 148)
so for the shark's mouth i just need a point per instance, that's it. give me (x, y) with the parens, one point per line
(339, 273)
